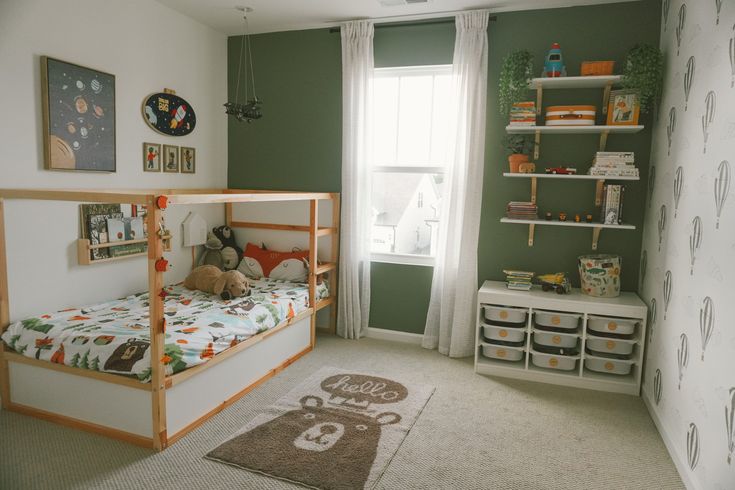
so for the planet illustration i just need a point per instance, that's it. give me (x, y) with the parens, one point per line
(62, 155)
(98, 111)
(64, 87)
(84, 132)
(76, 145)
(96, 86)
(150, 115)
(71, 128)
(80, 85)
(80, 104)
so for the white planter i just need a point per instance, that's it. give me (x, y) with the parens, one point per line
(612, 366)
(506, 314)
(608, 324)
(502, 352)
(555, 319)
(506, 334)
(553, 339)
(611, 346)
(552, 361)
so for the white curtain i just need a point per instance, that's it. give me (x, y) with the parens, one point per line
(450, 322)
(354, 263)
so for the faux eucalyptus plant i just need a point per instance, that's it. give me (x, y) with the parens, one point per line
(644, 69)
(515, 75)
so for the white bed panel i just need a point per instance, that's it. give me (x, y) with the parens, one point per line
(90, 400)
(196, 396)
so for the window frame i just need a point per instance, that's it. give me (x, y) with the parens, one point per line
(403, 71)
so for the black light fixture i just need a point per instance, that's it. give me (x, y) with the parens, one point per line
(249, 110)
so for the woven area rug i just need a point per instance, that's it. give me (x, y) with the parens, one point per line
(336, 430)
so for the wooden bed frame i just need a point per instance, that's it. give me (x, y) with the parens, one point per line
(158, 413)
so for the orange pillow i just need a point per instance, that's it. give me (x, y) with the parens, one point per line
(289, 266)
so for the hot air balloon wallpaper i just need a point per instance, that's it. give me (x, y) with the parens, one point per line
(680, 26)
(657, 388)
(651, 184)
(651, 319)
(644, 265)
(667, 292)
(661, 225)
(692, 446)
(666, 6)
(678, 181)
(722, 188)
(730, 425)
(710, 102)
(732, 57)
(670, 127)
(688, 80)
(718, 7)
(695, 240)
(682, 356)
(706, 322)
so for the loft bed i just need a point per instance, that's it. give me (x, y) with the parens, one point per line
(158, 413)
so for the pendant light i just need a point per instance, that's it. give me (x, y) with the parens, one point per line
(250, 109)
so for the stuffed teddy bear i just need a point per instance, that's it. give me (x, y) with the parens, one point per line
(231, 253)
(212, 254)
(210, 279)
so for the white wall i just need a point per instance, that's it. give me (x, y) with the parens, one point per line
(690, 362)
(147, 46)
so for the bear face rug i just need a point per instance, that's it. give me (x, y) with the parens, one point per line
(336, 430)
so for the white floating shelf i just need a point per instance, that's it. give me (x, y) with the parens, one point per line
(563, 176)
(566, 223)
(572, 129)
(575, 82)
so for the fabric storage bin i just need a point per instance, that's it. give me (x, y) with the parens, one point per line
(596, 68)
(506, 315)
(567, 321)
(599, 275)
(553, 339)
(551, 361)
(505, 334)
(611, 325)
(502, 352)
(610, 346)
(570, 115)
(612, 366)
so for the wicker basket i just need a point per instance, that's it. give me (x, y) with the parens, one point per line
(595, 68)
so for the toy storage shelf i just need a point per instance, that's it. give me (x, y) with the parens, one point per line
(596, 227)
(626, 306)
(568, 176)
(600, 81)
(84, 247)
(573, 129)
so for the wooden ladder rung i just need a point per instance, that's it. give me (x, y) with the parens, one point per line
(323, 303)
(325, 267)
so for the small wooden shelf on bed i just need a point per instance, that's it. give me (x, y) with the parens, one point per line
(84, 247)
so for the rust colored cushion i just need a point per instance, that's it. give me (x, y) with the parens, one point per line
(288, 266)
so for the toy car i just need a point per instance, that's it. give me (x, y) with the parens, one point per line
(561, 170)
(555, 282)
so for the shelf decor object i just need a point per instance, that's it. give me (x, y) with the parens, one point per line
(571, 340)
(85, 247)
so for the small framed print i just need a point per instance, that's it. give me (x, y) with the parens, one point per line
(623, 108)
(151, 157)
(170, 158)
(188, 160)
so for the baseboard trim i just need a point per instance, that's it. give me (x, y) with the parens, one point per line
(394, 335)
(680, 462)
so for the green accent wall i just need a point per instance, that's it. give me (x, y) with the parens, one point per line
(297, 144)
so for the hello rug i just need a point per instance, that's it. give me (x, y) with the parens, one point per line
(338, 429)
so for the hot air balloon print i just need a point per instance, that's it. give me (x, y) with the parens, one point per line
(718, 7)
(651, 184)
(706, 322)
(682, 355)
(678, 181)
(680, 26)
(651, 319)
(732, 57)
(695, 240)
(688, 80)
(730, 425)
(667, 292)
(670, 127)
(666, 7)
(657, 388)
(710, 102)
(722, 188)
(661, 225)
(692, 446)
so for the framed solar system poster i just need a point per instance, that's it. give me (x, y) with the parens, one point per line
(78, 117)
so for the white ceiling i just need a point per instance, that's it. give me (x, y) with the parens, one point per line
(288, 15)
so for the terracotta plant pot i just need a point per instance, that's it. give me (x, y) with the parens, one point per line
(515, 161)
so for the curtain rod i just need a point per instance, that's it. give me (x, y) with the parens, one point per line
(422, 22)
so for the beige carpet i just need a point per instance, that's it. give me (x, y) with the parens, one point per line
(476, 432)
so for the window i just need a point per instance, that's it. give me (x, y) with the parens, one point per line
(411, 146)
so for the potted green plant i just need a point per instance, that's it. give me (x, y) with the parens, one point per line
(517, 146)
(644, 69)
(515, 75)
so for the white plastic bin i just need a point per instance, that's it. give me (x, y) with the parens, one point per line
(610, 346)
(506, 314)
(554, 339)
(502, 352)
(608, 324)
(505, 334)
(604, 365)
(555, 319)
(553, 361)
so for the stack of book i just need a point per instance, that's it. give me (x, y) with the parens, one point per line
(521, 210)
(612, 204)
(518, 280)
(614, 164)
(523, 114)
(106, 223)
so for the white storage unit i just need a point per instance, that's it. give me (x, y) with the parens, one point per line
(619, 338)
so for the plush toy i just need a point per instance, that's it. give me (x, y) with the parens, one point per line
(212, 254)
(210, 279)
(231, 253)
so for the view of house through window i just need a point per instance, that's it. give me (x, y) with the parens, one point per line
(411, 147)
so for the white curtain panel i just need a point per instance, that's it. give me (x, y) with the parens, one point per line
(354, 263)
(450, 322)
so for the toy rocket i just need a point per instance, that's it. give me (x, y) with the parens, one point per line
(554, 64)
(177, 116)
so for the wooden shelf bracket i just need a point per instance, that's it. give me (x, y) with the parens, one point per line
(595, 236)
(534, 184)
(603, 139)
(598, 192)
(536, 144)
(531, 231)
(606, 97)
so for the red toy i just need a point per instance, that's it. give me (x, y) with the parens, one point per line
(561, 170)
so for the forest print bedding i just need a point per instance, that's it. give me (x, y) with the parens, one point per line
(114, 337)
